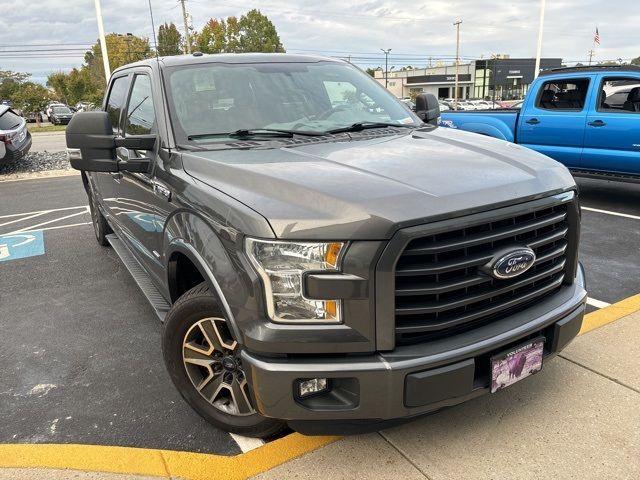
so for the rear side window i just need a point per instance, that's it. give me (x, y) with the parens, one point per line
(563, 94)
(141, 116)
(116, 100)
(9, 120)
(619, 95)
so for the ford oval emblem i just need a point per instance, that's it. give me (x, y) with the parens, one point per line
(511, 263)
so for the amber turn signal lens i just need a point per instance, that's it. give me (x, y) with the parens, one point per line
(332, 253)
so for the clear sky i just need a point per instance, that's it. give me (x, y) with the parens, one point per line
(414, 30)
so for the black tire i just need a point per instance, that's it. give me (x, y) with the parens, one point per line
(194, 307)
(100, 226)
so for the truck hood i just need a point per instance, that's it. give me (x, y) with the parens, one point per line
(367, 188)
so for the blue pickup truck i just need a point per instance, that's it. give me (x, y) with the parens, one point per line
(587, 118)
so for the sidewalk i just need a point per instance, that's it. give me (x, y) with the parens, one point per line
(578, 419)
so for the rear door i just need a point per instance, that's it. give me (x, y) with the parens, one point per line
(612, 135)
(553, 121)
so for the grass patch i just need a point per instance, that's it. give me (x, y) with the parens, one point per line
(33, 128)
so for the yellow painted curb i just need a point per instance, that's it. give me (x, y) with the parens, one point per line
(610, 314)
(160, 463)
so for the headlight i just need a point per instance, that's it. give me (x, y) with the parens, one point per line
(282, 265)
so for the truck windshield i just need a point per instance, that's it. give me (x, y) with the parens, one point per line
(208, 100)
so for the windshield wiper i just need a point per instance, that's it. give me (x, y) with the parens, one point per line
(258, 132)
(359, 126)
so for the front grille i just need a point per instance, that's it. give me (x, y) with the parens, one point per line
(439, 287)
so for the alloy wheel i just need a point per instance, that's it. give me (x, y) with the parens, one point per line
(212, 361)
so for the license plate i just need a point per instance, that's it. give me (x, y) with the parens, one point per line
(520, 362)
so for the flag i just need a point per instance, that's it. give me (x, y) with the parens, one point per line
(596, 38)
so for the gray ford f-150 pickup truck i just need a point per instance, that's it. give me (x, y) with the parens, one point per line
(319, 255)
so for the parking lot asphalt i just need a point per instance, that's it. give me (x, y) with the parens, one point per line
(80, 351)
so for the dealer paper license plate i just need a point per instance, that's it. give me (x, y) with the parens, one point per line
(514, 365)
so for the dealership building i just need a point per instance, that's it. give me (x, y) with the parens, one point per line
(507, 78)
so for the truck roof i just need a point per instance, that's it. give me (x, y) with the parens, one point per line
(594, 68)
(234, 58)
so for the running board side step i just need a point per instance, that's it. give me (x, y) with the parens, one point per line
(155, 298)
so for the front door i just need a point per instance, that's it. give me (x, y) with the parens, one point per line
(553, 123)
(136, 204)
(612, 135)
(108, 183)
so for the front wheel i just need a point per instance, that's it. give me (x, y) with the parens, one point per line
(100, 226)
(203, 360)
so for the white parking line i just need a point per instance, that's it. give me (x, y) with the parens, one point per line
(57, 228)
(246, 443)
(597, 303)
(608, 212)
(34, 227)
(13, 215)
(22, 219)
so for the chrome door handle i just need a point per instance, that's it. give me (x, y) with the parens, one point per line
(161, 190)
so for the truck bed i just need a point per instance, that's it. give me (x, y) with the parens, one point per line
(499, 123)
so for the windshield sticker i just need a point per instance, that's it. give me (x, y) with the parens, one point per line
(406, 120)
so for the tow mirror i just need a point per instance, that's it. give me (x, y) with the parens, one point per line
(91, 145)
(428, 108)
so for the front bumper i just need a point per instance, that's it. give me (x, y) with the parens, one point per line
(373, 391)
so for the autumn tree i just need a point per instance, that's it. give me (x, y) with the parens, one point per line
(253, 32)
(122, 49)
(258, 33)
(169, 40)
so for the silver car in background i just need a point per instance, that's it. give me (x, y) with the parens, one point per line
(15, 139)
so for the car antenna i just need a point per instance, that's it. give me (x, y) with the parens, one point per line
(155, 43)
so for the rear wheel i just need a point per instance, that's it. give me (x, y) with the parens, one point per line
(100, 226)
(203, 360)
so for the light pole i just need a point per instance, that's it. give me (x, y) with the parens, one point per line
(103, 42)
(187, 37)
(386, 66)
(455, 88)
(540, 29)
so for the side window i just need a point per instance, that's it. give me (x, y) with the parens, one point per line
(563, 94)
(619, 94)
(141, 116)
(116, 100)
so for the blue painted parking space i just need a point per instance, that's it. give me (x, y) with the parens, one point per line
(21, 245)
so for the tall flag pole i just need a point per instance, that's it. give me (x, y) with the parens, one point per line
(540, 31)
(596, 41)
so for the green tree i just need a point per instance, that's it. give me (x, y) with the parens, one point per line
(59, 82)
(169, 40)
(372, 71)
(635, 61)
(258, 34)
(31, 97)
(10, 83)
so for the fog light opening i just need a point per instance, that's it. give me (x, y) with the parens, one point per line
(312, 386)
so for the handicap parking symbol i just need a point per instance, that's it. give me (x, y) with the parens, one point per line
(21, 245)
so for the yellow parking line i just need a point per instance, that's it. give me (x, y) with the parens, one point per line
(160, 463)
(201, 466)
(610, 314)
